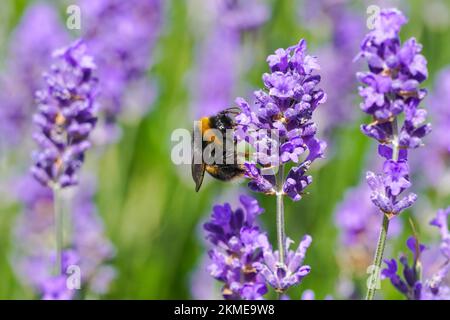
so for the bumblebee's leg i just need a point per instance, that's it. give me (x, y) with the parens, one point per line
(225, 172)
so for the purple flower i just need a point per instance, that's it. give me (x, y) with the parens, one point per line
(411, 284)
(37, 35)
(396, 176)
(388, 26)
(55, 288)
(382, 195)
(390, 88)
(308, 295)
(238, 244)
(279, 125)
(297, 181)
(65, 117)
(259, 182)
(392, 82)
(123, 56)
(282, 277)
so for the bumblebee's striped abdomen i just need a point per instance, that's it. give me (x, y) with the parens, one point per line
(225, 172)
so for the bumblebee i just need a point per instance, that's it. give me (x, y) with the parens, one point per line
(207, 128)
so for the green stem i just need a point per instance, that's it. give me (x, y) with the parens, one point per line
(385, 225)
(378, 258)
(58, 207)
(281, 235)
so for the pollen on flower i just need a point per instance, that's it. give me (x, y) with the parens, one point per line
(60, 120)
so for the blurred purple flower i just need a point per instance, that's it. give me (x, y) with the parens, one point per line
(310, 295)
(438, 146)
(279, 126)
(215, 72)
(217, 69)
(122, 36)
(242, 15)
(55, 288)
(65, 116)
(203, 286)
(238, 244)
(440, 221)
(37, 35)
(346, 27)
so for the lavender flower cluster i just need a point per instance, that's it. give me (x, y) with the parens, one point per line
(279, 126)
(242, 257)
(391, 88)
(238, 245)
(410, 282)
(65, 117)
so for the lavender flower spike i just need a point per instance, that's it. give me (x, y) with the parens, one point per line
(65, 117)
(280, 126)
(238, 245)
(280, 129)
(391, 88)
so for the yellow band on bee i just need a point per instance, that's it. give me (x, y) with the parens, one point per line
(212, 169)
(204, 124)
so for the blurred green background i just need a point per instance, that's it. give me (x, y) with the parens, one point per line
(151, 211)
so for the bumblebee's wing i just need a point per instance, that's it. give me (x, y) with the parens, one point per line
(197, 169)
(198, 172)
(233, 111)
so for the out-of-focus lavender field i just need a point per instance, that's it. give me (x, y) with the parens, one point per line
(131, 219)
